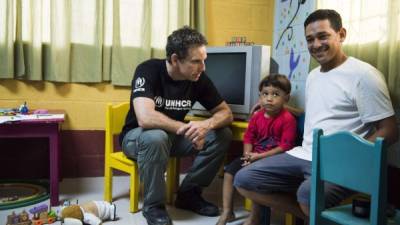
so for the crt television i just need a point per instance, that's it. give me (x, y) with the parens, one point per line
(236, 72)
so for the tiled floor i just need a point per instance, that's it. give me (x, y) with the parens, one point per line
(86, 189)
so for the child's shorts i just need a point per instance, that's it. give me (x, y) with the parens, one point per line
(234, 166)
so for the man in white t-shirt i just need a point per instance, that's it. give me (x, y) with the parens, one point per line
(343, 93)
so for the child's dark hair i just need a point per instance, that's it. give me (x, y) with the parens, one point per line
(276, 80)
(325, 14)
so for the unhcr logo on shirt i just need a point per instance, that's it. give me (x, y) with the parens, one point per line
(172, 104)
(159, 101)
(139, 84)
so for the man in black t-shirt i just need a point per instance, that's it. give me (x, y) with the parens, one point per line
(163, 91)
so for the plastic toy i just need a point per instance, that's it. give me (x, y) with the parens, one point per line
(41, 215)
(92, 213)
(23, 109)
(20, 219)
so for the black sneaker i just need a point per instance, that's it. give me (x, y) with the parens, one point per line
(157, 215)
(192, 200)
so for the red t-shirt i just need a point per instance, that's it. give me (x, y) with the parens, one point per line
(267, 133)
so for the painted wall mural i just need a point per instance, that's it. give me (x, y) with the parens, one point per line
(290, 48)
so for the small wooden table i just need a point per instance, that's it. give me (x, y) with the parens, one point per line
(43, 126)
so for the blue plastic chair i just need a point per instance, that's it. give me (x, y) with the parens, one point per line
(350, 161)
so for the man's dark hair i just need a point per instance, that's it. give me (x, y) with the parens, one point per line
(181, 40)
(325, 14)
(276, 80)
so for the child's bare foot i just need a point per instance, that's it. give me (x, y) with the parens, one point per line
(225, 218)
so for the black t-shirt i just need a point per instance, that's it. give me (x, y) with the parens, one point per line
(172, 98)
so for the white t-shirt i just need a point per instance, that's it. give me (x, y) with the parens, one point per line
(349, 97)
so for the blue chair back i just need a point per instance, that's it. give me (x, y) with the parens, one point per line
(345, 159)
(300, 129)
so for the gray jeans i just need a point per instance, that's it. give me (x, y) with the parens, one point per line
(152, 149)
(286, 173)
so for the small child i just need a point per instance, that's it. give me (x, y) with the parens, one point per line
(271, 130)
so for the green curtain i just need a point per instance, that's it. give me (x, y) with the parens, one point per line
(198, 15)
(6, 39)
(87, 41)
(373, 35)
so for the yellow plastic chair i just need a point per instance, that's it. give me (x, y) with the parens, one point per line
(115, 159)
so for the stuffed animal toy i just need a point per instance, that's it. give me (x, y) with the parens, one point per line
(92, 213)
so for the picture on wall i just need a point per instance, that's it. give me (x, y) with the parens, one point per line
(289, 45)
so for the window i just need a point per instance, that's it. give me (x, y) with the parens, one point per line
(365, 20)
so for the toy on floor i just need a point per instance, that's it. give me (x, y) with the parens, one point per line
(20, 219)
(42, 215)
(93, 213)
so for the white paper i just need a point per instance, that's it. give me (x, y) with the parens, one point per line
(19, 117)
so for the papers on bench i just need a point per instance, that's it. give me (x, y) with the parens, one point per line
(31, 117)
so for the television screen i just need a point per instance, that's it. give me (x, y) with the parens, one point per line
(236, 72)
(228, 73)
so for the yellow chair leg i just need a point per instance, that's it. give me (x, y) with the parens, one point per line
(247, 204)
(134, 193)
(290, 219)
(107, 184)
(171, 179)
(177, 175)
